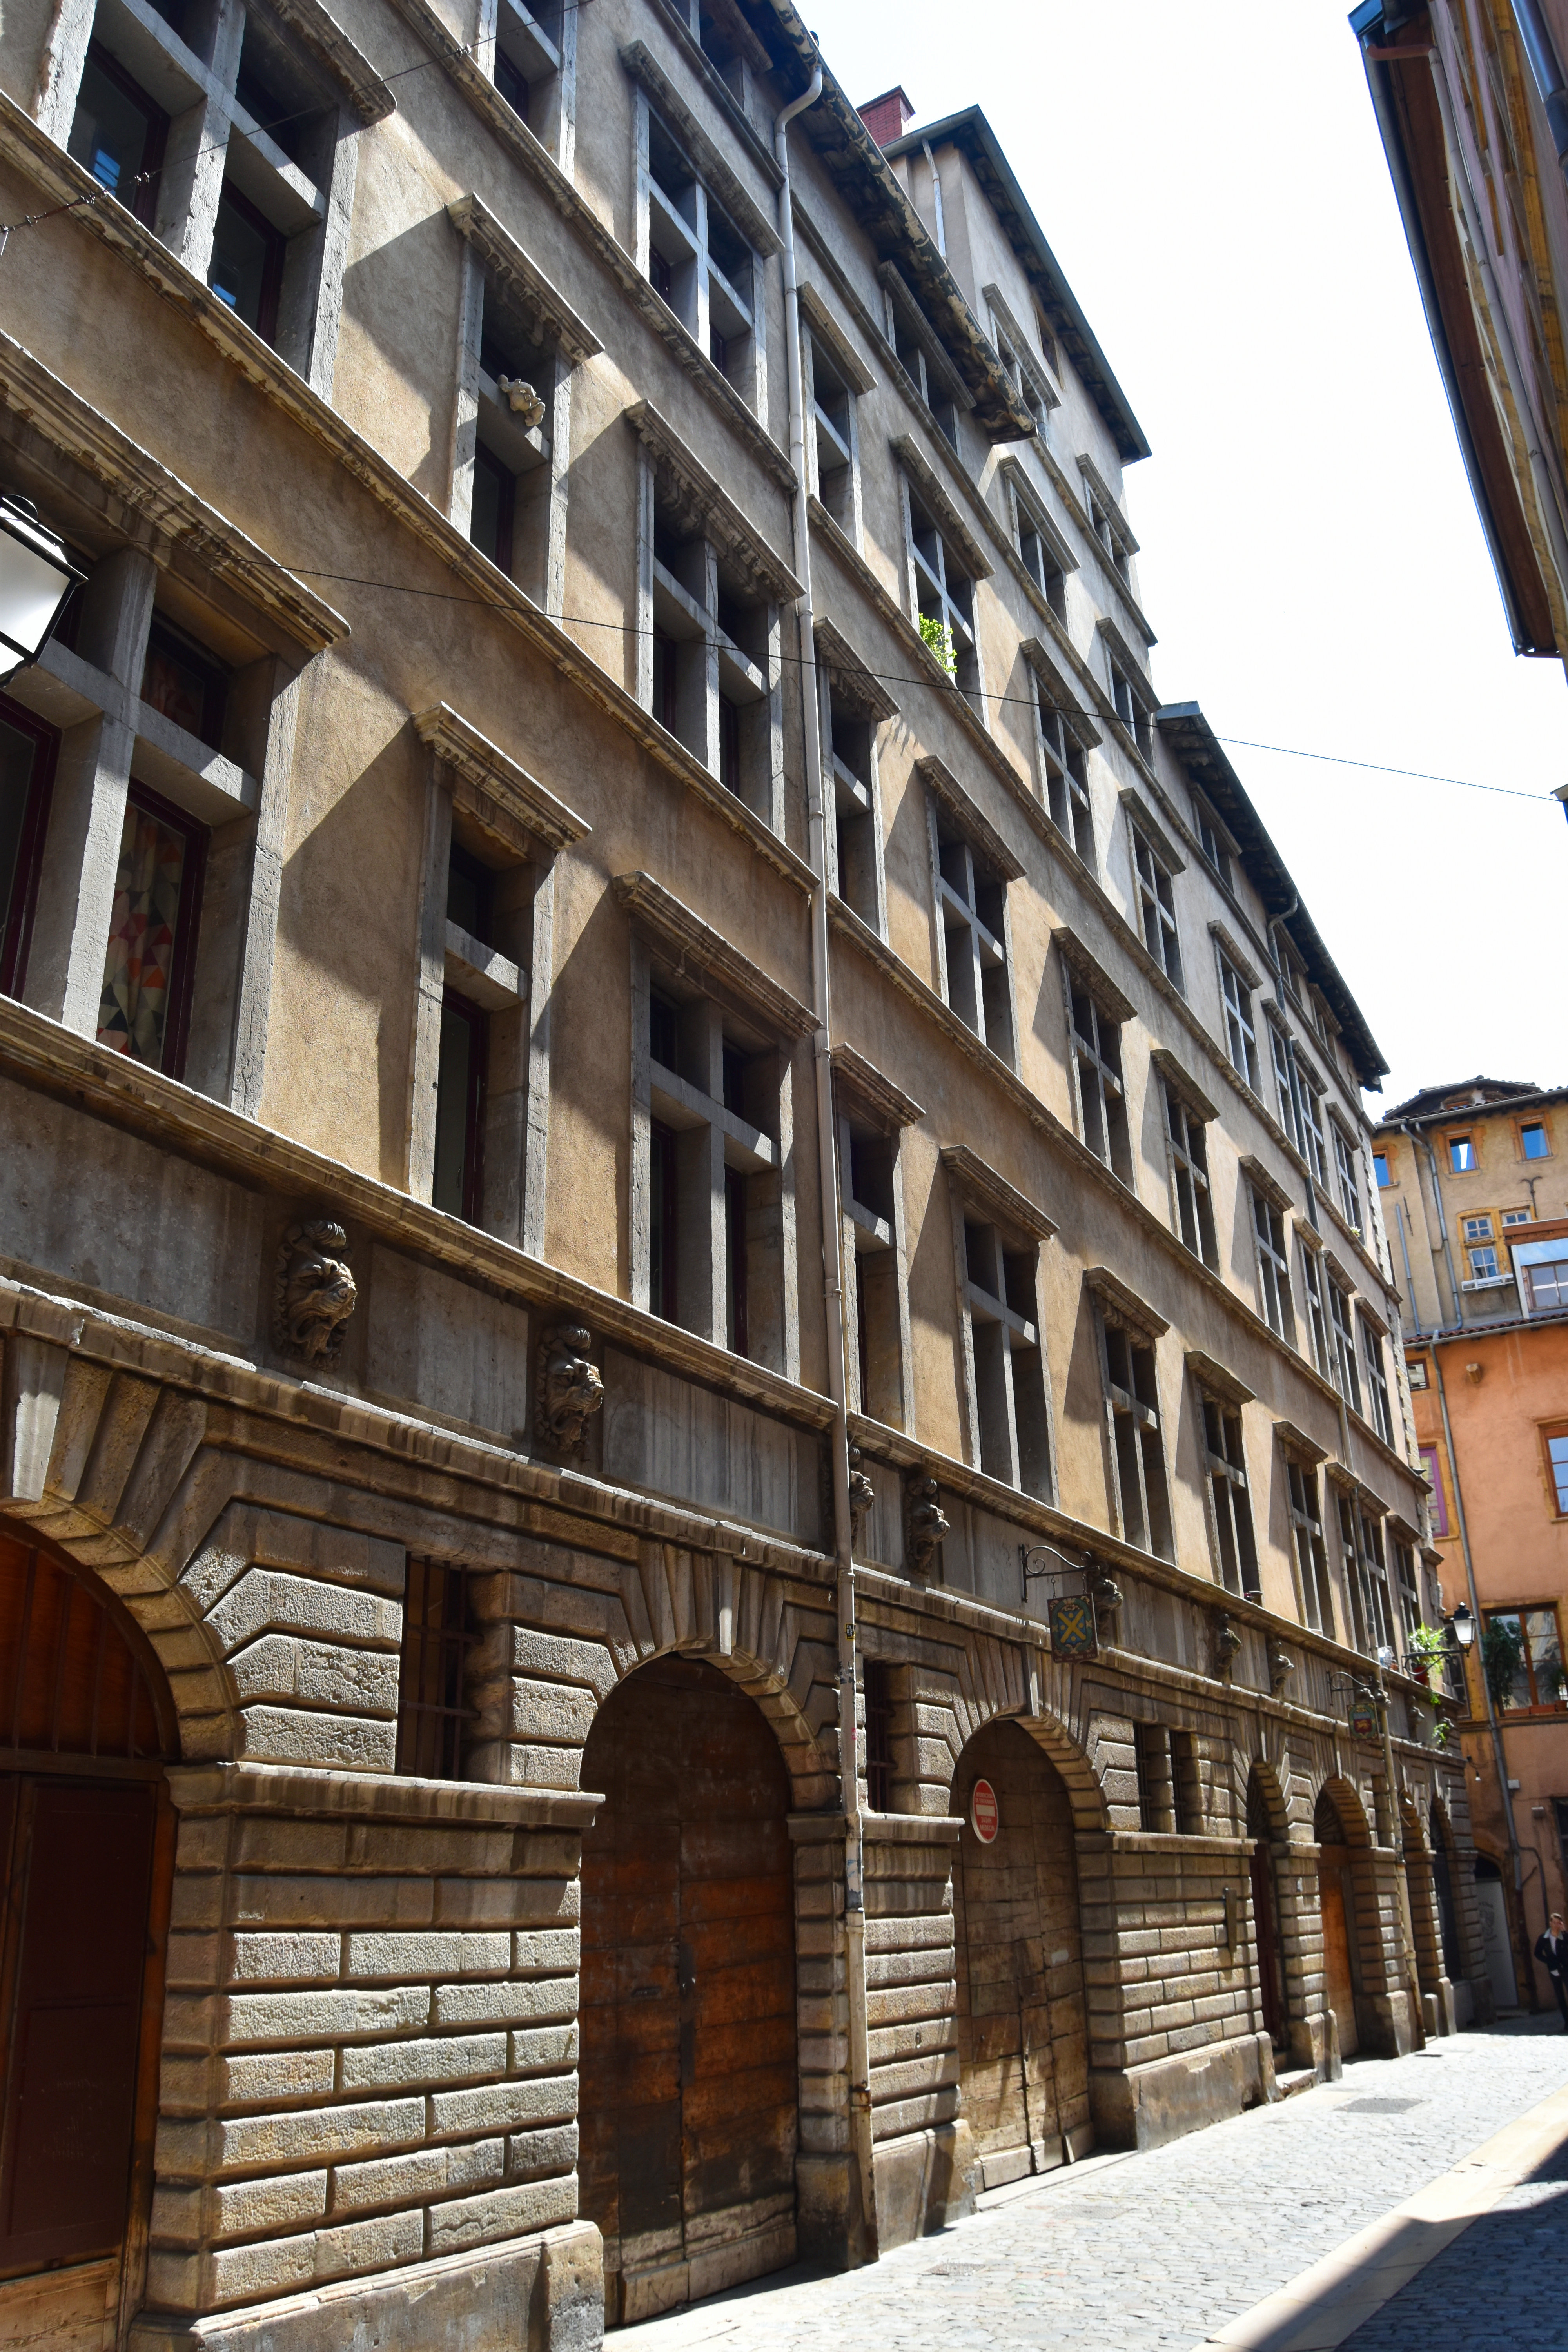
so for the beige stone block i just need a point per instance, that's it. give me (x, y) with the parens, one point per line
(243, 2208)
(311, 2134)
(416, 2178)
(534, 2155)
(555, 1712)
(243, 2274)
(324, 2016)
(535, 1766)
(274, 2076)
(291, 1900)
(503, 1902)
(431, 1849)
(193, 1961)
(370, 2246)
(506, 2107)
(425, 2064)
(339, 1743)
(548, 1951)
(518, 2001)
(503, 2213)
(269, 1841)
(173, 2280)
(279, 1960)
(437, 1953)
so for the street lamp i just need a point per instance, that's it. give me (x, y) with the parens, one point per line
(36, 575)
(1462, 1625)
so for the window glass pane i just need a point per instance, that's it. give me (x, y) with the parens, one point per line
(1461, 1154)
(1380, 1163)
(1545, 1655)
(1533, 1138)
(145, 941)
(111, 133)
(245, 257)
(458, 1090)
(1557, 1454)
(1548, 1284)
(18, 768)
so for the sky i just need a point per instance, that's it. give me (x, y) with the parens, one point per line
(1311, 560)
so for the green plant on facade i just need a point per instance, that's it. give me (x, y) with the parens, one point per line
(938, 639)
(1502, 1659)
(1431, 1651)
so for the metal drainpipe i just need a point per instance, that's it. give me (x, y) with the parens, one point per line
(1500, 1756)
(859, 2064)
(936, 198)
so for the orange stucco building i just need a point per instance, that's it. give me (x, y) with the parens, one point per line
(1474, 1183)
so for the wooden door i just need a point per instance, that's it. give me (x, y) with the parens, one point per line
(1023, 2054)
(1336, 1903)
(688, 2084)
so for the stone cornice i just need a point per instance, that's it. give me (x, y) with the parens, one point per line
(721, 520)
(838, 657)
(944, 514)
(1120, 529)
(161, 501)
(547, 311)
(891, 1104)
(939, 778)
(1007, 1205)
(368, 95)
(296, 1790)
(705, 953)
(481, 765)
(1120, 1303)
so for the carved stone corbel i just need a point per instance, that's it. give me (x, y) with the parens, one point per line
(567, 1389)
(1226, 1645)
(1107, 1596)
(1282, 1666)
(862, 1494)
(925, 1524)
(313, 1292)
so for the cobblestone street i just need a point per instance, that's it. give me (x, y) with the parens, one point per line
(1127, 2255)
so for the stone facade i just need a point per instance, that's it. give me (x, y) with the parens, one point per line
(396, 1422)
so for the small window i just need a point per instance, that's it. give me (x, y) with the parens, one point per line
(1240, 1034)
(1157, 909)
(120, 133)
(878, 1694)
(1380, 1407)
(1538, 1679)
(1557, 1463)
(834, 443)
(1137, 1441)
(247, 267)
(28, 751)
(144, 1008)
(944, 597)
(1547, 1285)
(1313, 1281)
(1346, 1178)
(432, 1718)
(1380, 1169)
(1484, 1266)
(1096, 1070)
(1193, 1200)
(1210, 843)
(1133, 710)
(1532, 1143)
(1230, 1520)
(1417, 1371)
(1156, 1793)
(1478, 1229)
(1347, 1378)
(458, 1186)
(1273, 1266)
(1462, 1154)
(1309, 1553)
(972, 899)
(664, 1223)
(1430, 1463)
(183, 683)
(1518, 1217)
(1001, 1314)
(1066, 778)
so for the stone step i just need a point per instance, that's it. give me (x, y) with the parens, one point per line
(1302, 2079)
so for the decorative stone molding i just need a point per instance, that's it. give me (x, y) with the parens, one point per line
(939, 778)
(925, 1524)
(1218, 1379)
(366, 93)
(1087, 967)
(944, 514)
(489, 779)
(852, 681)
(568, 1388)
(1226, 1645)
(862, 1494)
(698, 948)
(706, 506)
(877, 1094)
(1108, 1598)
(1122, 1306)
(1282, 1666)
(547, 312)
(1002, 1202)
(314, 1291)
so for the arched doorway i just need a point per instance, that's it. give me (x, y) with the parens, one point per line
(86, 1836)
(1341, 1942)
(1260, 1828)
(1443, 1891)
(1023, 2045)
(689, 2096)
(1497, 1940)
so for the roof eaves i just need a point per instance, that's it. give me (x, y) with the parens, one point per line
(969, 130)
(1189, 735)
(883, 210)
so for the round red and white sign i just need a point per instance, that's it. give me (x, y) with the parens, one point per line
(985, 1813)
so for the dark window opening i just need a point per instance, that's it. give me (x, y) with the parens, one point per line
(665, 677)
(664, 1215)
(145, 1006)
(470, 895)
(729, 744)
(735, 1320)
(437, 1631)
(28, 751)
(493, 512)
(458, 1187)
(661, 276)
(120, 133)
(512, 84)
(183, 682)
(735, 1063)
(246, 268)
(879, 1690)
(663, 1032)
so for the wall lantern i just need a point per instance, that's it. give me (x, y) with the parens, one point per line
(36, 575)
(1463, 1625)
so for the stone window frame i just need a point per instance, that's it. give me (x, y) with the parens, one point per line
(871, 1113)
(197, 91)
(1134, 701)
(926, 513)
(1313, 1095)
(714, 186)
(1379, 1397)
(1099, 1082)
(1137, 1458)
(851, 700)
(1347, 1180)
(1319, 1347)
(496, 269)
(1360, 1516)
(545, 53)
(1281, 1052)
(917, 349)
(732, 1001)
(1221, 1399)
(824, 337)
(1191, 1185)
(1341, 1304)
(153, 549)
(1269, 1205)
(672, 478)
(1026, 374)
(1051, 560)
(1009, 1419)
(1155, 863)
(1112, 533)
(969, 856)
(1236, 1014)
(1064, 736)
(1309, 1556)
(480, 796)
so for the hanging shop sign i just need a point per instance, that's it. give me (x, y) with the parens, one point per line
(1071, 1619)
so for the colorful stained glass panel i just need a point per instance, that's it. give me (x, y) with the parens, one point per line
(138, 971)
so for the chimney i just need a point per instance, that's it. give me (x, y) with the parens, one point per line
(884, 117)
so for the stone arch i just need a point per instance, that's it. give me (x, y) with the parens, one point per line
(1021, 2012)
(1355, 1981)
(692, 2044)
(1277, 1940)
